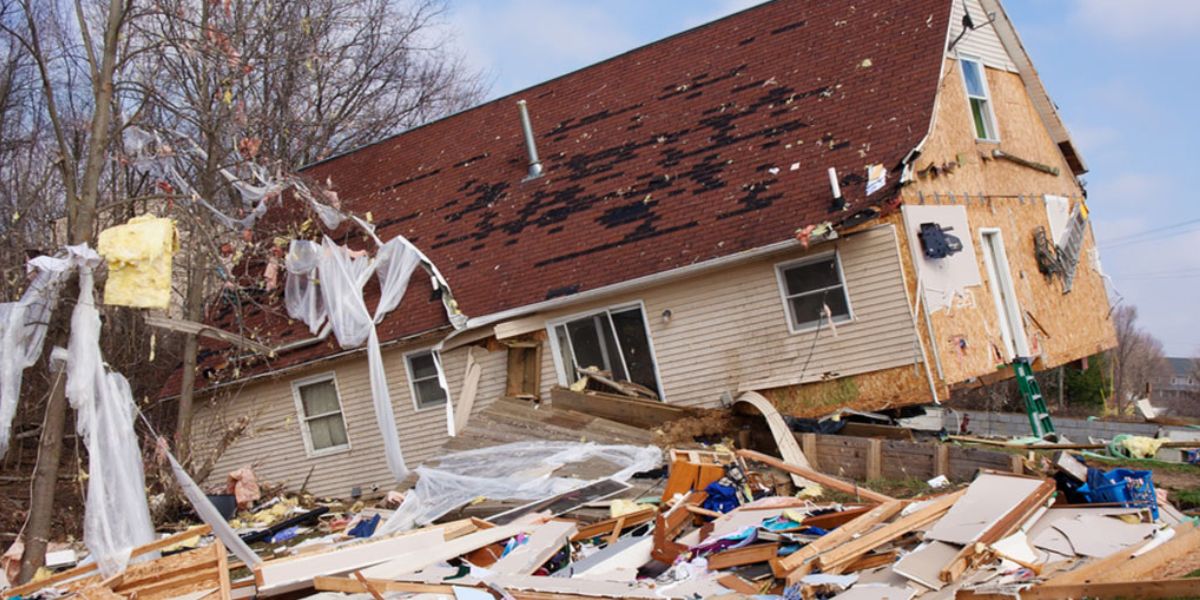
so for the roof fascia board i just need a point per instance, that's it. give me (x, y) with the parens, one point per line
(1037, 91)
(910, 159)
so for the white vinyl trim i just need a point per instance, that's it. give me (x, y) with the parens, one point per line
(1012, 326)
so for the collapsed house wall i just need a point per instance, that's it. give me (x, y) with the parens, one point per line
(727, 332)
(956, 170)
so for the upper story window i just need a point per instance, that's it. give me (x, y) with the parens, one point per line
(320, 408)
(808, 286)
(424, 378)
(982, 115)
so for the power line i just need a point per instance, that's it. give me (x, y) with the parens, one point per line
(1139, 234)
(1111, 245)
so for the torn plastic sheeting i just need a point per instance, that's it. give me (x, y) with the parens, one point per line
(210, 515)
(139, 255)
(516, 471)
(338, 300)
(116, 518)
(23, 327)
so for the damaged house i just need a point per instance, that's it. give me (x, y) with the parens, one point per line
(832, 203)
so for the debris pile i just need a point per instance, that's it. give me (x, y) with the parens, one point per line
(508, 522)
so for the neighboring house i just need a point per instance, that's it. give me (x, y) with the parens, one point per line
(684, 235)
(1177, 387)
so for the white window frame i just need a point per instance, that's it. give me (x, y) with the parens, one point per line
(1012, 332)
(412, 384)
(987, 98)
(556, 351)
(304, 418)
(781, 281)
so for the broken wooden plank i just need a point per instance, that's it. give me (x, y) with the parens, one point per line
(820, 478)
(545, 541)
(838, 558)
(470, 388)
(792, 564)
(1008, 524)
(746, 555)
(415, 560)
(80, 571)
(737, 584)
(285, 572)
(609, 525)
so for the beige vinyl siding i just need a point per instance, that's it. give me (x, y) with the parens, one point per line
(276, 446)
(728, 329)
(982, 42)
(728, 332)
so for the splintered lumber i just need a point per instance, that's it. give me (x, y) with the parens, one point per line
(785, 440)
(737, 584)
(838, 558)
(746, 555)
(793, 563)
(545, 541)
(609, 526)
(668, 526)
(415, 560)
(521, 587)
(833, 520)
(69, 574)
(821, 478)
(282, 573)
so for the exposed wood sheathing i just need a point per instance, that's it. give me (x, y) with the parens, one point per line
(1000, 194)
(875, 390)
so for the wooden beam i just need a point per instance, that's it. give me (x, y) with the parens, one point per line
(415, 560)
(839, 558)
(470, 388)
(833, 520)
(871, 430)
(941, 460)
(283, 572)
(793, 563)
(808, 444)
(746, 555)
(821, 478)
(737, 584)
(988, 442)
(637, 412)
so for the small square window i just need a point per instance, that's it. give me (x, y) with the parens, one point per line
(814, 291)
(321, 414)
(424, 380)
(982, 116)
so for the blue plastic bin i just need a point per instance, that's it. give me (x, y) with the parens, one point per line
(1132, 488)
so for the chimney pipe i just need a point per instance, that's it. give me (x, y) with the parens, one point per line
(535, 164)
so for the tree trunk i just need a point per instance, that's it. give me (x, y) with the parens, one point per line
(193, 311)
(81, 221)
(45, 479)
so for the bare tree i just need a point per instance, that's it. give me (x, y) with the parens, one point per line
(1138, 357)
(247, 82)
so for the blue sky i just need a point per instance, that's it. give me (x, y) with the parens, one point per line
(1123, 73)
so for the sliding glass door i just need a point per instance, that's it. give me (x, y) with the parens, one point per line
(614, 340)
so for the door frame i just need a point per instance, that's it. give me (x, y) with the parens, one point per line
(1004, 293)
(556, 352)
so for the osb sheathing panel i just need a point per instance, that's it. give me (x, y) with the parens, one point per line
(999, 194)
(876, 390)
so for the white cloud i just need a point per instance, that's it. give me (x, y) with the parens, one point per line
(1128, 20)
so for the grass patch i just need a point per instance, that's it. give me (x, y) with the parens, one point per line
(1186, 499)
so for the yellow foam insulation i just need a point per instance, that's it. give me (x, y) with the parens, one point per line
(139, 255)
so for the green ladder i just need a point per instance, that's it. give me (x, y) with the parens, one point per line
(1035, 404)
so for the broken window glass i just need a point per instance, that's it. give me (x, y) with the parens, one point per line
(323, 415)
(811, 285)
(615, 341)
(423, 374)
